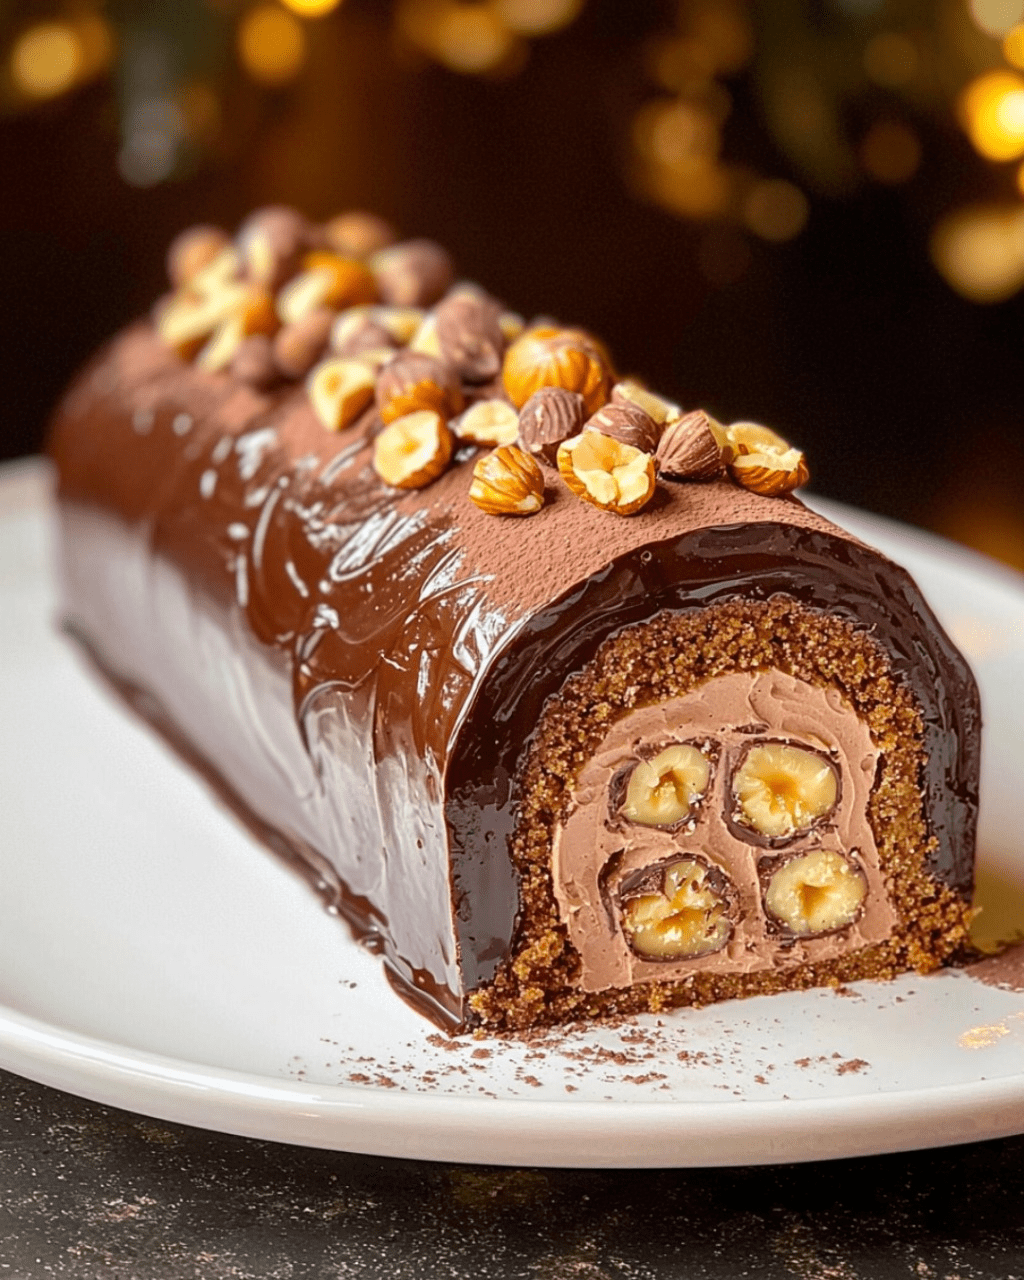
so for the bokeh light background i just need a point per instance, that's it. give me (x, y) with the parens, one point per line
(809, 212)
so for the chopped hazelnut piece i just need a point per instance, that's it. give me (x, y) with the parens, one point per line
(549, 357)
(425, 341)
(662, 791)
(187, 319)
(253, 313)
(326, 280)
(488, 422)
(680, 913)
(781, 790)
(613, 476)
(761, 460)
(339, 390)
(656, 407)
(410, 382)
(412, 450)
(815, 893)
(507, 482)
(400, 322)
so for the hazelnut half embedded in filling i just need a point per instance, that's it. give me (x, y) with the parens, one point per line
(782, 790)
(662, 791)
(815, 893)
(677, 911)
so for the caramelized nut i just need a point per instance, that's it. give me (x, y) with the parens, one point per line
(781, 790)
(298, 346)
(489, 422)
(410, 382)
(815, 893)
(326, 280)
(549, 418)
(414, 273)
(761, 460)
(627, 423)
(661, 410)
(357, 234)
(613, 476)
(339, 391)
(412, 450)
(507, 482)
(469, 334)
(663, 791)
(550, 357)
(678, 912)
(692, 448)
(192, 250)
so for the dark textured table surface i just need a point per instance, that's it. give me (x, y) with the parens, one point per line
(90, 1191)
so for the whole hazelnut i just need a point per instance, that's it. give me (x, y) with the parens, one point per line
(272, 242)
(357, 234)
(299, 345)
(469, 335)
(193, 249)
(414, 273)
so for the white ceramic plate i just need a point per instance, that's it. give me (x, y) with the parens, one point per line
(154, 958)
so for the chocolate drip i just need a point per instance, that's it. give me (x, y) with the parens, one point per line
(359, 669)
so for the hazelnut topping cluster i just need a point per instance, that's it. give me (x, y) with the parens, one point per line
(372, 322)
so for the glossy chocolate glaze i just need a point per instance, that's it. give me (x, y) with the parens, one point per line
(359, 669)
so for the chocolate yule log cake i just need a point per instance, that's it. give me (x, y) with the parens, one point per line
(559, 694)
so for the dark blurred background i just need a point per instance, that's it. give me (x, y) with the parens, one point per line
(806, 212)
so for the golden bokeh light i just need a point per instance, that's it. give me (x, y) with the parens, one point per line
(890, 152)
(979, 251)
(271, 44)
(891, 59)
(992, 111)
(96, 43)
(200, 110)
(471, 39)
(537, 17)
(671, 132)
(47, 60)
(776, 210)
(996, 17)
(1013, 46)
(311, 8)
(723, 28)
